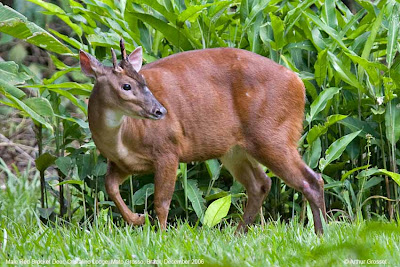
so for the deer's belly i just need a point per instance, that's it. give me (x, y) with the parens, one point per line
(205, 149)
(128, 161)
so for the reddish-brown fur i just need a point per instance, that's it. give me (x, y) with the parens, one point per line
(221, 103)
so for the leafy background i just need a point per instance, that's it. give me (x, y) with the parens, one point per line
(348, 59)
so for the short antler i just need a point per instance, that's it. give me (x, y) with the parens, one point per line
(131, 64)
(114, 59)
(123, 51)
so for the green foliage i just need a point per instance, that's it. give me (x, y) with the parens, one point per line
(350, 64)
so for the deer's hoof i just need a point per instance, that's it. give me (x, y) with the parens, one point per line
(241, 229)
(136, 219)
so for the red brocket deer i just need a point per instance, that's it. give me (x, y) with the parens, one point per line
(221, 103)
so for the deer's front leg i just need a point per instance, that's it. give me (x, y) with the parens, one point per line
(114, 179)
(164, 186)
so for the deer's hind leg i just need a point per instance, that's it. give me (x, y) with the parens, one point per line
(248, 172)
(285, 162)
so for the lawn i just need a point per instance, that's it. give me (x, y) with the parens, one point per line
(348, 56)
(25, 239)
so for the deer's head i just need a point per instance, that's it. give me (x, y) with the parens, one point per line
(121, 87)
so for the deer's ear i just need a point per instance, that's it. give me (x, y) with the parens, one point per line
(89, 64)
(135, 58)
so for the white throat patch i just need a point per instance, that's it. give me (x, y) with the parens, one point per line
(113, 118)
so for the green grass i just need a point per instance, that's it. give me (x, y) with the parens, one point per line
(24, 237)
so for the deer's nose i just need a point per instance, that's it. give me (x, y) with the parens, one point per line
(159, 112)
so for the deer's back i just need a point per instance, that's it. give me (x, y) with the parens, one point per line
(216, 97)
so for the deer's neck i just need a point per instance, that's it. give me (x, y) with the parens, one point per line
(106, 126)
(109, 128)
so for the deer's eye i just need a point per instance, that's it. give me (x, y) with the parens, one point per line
(126, 87)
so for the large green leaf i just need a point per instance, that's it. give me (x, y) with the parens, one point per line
(393, 33)
(170, 16)
(109, 40)
(213, 168)
(217, 211)
(40, 105)
(77, 102)
(321, 67)
(355, 124)
(196, 198)
(392, 121)
(278, 28)
(100, 169)
(318, 130)
(345, 74)
(59, 74)
(372, 68)
(44, 161)
(256, 10)
(9, 73)
(294, 15)
(64, 164)
(372, 36)
(352, 22)
(336, 149)
(313, 153)
(191, 13)
(347, 174)
(56, 10)
(317, 39)
(253, 33)
(69, 40)
(84, 164)
(81, 123)
(6, 88)
(329, 13)
(66, 85)
(326, 28)
(140, 196)
(375, 171)
(320, 103)
(30, 112)
(393, 175)
(244, 10)
(16, 25)
(311, 90)
(172, 34)
(370, 41)
(372, 182)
